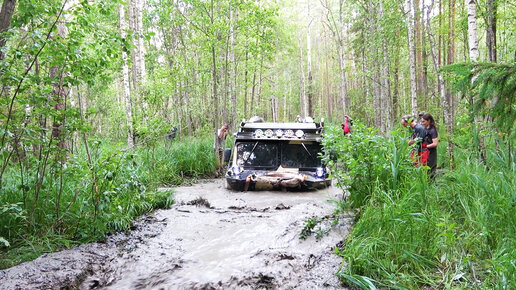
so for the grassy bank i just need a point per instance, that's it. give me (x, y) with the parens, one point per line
(81, 199)
(458, 231)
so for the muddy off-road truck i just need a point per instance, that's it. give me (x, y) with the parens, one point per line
(276, 156)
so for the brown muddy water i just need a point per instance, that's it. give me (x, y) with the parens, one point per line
(212, 238)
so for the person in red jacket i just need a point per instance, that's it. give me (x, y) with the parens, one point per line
(418, 134)
(346, 126)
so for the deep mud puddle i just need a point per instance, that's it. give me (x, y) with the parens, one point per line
(211, 238)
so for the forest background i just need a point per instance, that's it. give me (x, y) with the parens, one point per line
(92, 89)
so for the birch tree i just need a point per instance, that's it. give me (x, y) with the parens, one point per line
(412, 56)
(125, 80)
(472, 30)
(384, 77)
(308, 108)
(473, 57)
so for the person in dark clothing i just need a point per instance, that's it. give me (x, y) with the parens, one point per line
(418, 134)
(431, 141)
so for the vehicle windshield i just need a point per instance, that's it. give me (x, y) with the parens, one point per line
(257, 154)
(301, 155)
(271, 154)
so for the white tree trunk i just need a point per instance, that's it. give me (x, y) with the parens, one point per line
(472, 30)
(385, 82)
(302, 97)
(342, 63)
(308, 96)
(412, 55)
(126, 87)
(233, 72)
(140, 44)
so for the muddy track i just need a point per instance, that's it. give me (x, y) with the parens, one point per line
(211, 238)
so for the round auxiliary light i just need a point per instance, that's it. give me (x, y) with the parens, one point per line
(289, 133)
(279, 133)
(300, 133)
(258, 133)
(268, 133)
(319, 172)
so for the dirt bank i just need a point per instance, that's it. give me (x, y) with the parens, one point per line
(210, 239)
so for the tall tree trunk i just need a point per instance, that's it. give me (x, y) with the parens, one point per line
(442, 92)
(233, 83)
(6, 14)
(418, 42)
(395, 93)
(372, 25)
(216, 110)
(59, 92)
(327, 81)
(126, 86)
(134, 52)
(302, 100)
(342, 62)
(140, 44)
(473, 57)
(451, 54)
(309, 95)
(424, 55)
(246, 72)
(472, 30)
(385, 81)
(412, 56)
(492, 7)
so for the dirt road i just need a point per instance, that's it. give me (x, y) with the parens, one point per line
(211, 238)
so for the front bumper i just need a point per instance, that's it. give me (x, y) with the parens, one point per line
(272, 180)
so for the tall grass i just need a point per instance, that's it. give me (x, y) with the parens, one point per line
(456, 232)
(81, 201)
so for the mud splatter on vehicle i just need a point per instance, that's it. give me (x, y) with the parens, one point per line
(277, 156)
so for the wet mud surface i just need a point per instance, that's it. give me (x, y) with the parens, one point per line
(211, 238)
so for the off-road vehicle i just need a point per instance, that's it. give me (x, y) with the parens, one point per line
(277, 156)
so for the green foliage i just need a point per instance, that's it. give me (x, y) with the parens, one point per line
(492, 88)
(81, 201)
(364, 162)
(458, 232)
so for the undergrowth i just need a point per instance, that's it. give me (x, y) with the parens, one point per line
(458, 231)
(80, 201)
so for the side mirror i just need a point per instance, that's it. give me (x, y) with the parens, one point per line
(227, 155)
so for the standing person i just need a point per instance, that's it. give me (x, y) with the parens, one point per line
(431, 141)
(220, 143)
(346, 126)
(418, 135)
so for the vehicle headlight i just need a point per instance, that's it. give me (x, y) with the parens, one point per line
(268, 133)
(258, 133)
(289, 133)
(279, 133)
(300, 133)
(319, 172)
(236, 170)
